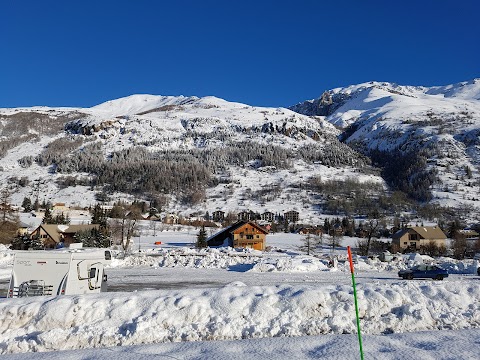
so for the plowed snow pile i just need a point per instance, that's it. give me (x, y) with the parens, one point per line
(233, 312)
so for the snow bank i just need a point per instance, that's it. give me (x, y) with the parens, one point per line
(6, 262)
(232, 312)
(227, 257)
(290, 264)
(209, 258)
(459, 266)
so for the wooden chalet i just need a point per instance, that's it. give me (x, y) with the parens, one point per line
(241, 234)
(52, 234)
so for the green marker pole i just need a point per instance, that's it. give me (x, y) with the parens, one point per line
(356, 302)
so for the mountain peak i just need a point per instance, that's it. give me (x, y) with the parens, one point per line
(140, 103)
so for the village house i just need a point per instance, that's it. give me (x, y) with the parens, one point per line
(310, 230)
(241, 234)
(416, 237)
(247, 216)
(22, 229)
(171, 219)
(291, 216)
(52, 235)
(468, 234)
(152, 217)
(59, 208)
(218, 216)
(268, 216)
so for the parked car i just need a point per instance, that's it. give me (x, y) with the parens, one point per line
(424, 271)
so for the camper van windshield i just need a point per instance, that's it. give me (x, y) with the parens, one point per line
(93, 273)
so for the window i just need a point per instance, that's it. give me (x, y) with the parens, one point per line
(250, 237)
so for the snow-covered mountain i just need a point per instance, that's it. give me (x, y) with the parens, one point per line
(441, 123)
(205, 154)
(344, 106)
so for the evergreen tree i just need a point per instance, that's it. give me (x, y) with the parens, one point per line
(326, 226)
(27, 204)
(202, 238)
(99, 216)
(25, 242)
(93, 238)
(61, 219)
(453, 228)
(48, 217)
(468, 172)
(36, 205)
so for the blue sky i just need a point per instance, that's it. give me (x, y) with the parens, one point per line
(264, 53)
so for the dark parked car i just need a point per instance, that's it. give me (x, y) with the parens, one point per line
(424, 271)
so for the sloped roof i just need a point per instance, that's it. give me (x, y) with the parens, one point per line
(429, 232)
(51, 230)
(55, 230)
(426, 232)
(72, 229)
(225, 233)
(400, 233)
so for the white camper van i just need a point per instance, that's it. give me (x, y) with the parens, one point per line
(59, 272)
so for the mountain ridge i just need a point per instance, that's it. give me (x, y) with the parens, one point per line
(232, 157)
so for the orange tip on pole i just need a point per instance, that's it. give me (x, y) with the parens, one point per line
(350, 258)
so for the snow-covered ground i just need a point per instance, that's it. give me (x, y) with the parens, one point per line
(170, 301)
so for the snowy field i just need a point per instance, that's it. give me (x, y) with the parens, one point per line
(169, 301)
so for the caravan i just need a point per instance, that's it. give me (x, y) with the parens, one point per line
(59, 272)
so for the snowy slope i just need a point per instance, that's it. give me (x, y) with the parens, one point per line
(152, 118)
(442, 122)
(344, 106)
(165, 123)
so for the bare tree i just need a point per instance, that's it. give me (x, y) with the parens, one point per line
(124, 226)
(8, 220)
(459, 246)
(5, 206)
(431, 248)
(309, 244)
(153, 226)
(334, 240)
(371, 227)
